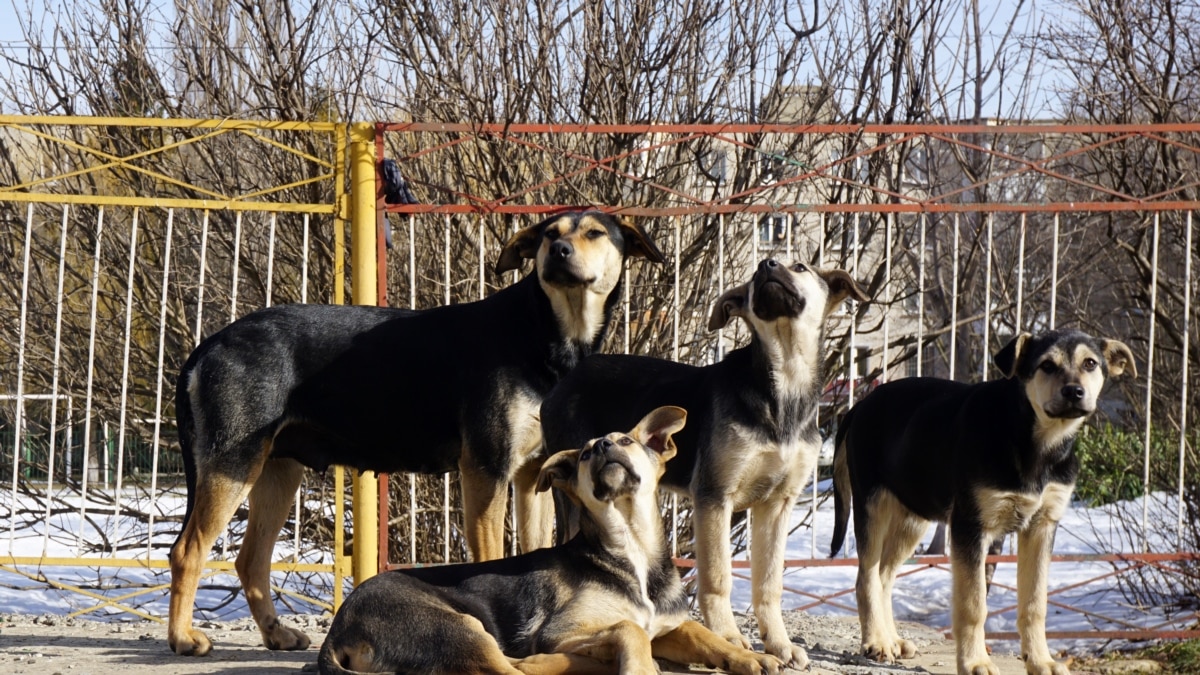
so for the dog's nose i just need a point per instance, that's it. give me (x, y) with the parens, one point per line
(768, 265)
(602, 446)
(561, 249)
(1073, 392)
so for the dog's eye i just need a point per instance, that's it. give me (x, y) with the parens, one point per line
(1090, 364)
(624, 440)
(585, 455)
(552, 234)
(595, 234)
(799, 267)
(1048, 367)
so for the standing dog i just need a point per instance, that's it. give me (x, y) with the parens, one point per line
(756, 441)
(611, 594)
(387, 390)
(988, 459)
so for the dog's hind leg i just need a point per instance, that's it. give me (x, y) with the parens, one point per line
(1035, 544)
(906, 531)
(873, 523)
(768, 548)
(484, 498)
(625, 643)
(714, 568)
(216, 499)
(534, 511)
(561, 664)
(270, 500)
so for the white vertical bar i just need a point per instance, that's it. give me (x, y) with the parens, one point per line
(675, 357)
(162, 340)
(412, 304)
(720, 280)
(1054, 277)
(133, 232)
(1149, 389)
(921, 299)
(788, 235)
(271, 255)
(446, 476)
(87, 406)
(1183, 380)
(20, 421)
(482, 281)
(58, 309)
(626, 302)
(954, 303)
(852, 365)
(200, 289)
(304, 275)
(887, 285)
(755, 234)
(821, 242)
(987, 302)
(237, 255)
(1020, 278)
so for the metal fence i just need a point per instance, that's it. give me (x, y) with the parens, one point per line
(963, 235)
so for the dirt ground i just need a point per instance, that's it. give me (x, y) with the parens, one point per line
(53, 645)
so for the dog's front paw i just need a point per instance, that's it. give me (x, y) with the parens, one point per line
(790, 654)
(982, 666)
(281, 637)
(888, 651)
(755, 663)
(190, 642)
(1049, 667)
(735, 638)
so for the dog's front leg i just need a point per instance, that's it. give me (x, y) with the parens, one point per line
(534, 511)
(693, 643)
(768, 549)
(713, 568)
(969, 597)
(484, 498)
(1035, 544)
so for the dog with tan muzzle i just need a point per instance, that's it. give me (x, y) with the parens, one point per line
(608, 601)
(989, 459)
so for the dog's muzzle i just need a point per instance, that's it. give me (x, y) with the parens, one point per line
(612, 471)
(558, 268)
(1070, 403)
(775, 295)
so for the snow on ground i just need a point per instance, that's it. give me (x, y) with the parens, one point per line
(922, 595)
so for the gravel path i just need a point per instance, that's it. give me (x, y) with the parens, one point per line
(49, 645)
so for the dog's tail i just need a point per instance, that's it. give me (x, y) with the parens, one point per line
(841, 487)
(186, 426)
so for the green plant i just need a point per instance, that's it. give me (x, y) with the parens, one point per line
(1112, 463)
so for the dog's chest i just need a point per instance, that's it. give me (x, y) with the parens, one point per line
(753, 467)
(1002, 511)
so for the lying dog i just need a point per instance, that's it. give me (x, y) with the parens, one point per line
(756, 442)
(611, 594)
(988, 459)
(388, 390)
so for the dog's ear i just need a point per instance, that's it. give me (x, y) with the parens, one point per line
(558, 470)
(1119, 357)
(637, 242)
(732, 303)
(1010, 355)
(841, 286)
(522, 245)
(656, 428)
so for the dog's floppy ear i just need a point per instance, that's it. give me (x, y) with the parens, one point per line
(637, 242)
(841, 286)
(1119, 357)
(522, 245)
(656, 428)
(732, 303)
(558, 470)
(1010, 355)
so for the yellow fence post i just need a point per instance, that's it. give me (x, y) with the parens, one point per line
(363, 291)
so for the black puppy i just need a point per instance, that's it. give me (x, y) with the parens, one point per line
(381, 389)
(755, 440)
(988, 459)
(606, 601)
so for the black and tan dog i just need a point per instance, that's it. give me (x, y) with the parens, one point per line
(988, 459)
(608, 600)
(380, 389)
(754, 439)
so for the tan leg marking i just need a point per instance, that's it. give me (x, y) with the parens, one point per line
(970, 611)
(714, 572)
(216, 499)
(534, 511)
(898, 546)
(270, 500)
(693, 643)
(562, 664)
(768, 549)
(484, 502)
(884, 512)
(1034, 546)
(624, 643)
